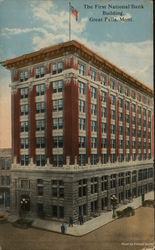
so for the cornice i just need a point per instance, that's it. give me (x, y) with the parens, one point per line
(85, 53)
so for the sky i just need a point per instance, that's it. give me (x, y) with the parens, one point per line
(28, 25)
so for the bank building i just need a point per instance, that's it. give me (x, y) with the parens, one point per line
(82, 131)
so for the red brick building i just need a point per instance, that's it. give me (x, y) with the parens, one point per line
(74, 112)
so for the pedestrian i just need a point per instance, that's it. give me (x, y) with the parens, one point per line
(70, 221)
(62, 229)
(65, 228)
(80, 219)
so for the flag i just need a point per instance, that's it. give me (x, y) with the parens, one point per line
(74, 12)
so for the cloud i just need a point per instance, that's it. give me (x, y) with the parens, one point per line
(17, 31)
(135, 58)
(1, 1)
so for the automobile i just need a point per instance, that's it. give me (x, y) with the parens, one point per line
(128, 211)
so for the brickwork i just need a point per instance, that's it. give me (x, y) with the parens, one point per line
(33, 124)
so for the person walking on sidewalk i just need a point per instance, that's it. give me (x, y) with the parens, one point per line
(70, 221)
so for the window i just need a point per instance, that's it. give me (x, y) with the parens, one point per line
(127, 91)
(94, 185)
(93, 109)
(24, 160)
(104, 127)
(58, 160)
(93, 75)
(113, 143)
(82, 106)
(104, 96)
(57, 68)
(121, 130)
(40, 190)
(82, 187)
(58, 142)
(40, 142)
(93, 92)
(104, 183)
(57, 86)
(58, 189)
(57, 105)
(104, 143)
(24, 142)
(120, 116)
(82, 142)
(24, 109)
(120, 88)
(40, 107)
(94, 126)
(24, 126)
(24, 93)
(94, 142)
(113, 99)
(104, 79)
(104, 112)
(58, 123)
(94, 159)
(83, 210)
(121, 103)
(127, 118)
(127, 105)
(113, 129)
(133, 94)
(82, 69)
(82, 88)
(113, 113)
(25, 184)
(82, 124)
(24, 75)
(121, 144)
(40, 72)
(113, 181)
(121, 179)
(112, 83)
(40, 125)
(58, 212)
(133, 107)
(41, 160)
(82, 159)
(40, 89)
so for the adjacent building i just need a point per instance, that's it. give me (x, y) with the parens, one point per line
(81, 132)
(5, 177)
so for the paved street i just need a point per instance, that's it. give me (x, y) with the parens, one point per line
(123, 234)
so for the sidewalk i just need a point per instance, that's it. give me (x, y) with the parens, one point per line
(87, 227)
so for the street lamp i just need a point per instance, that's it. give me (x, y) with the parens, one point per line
(114, 203)
(24, 203)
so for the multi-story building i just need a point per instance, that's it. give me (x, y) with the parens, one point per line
(5, 177)
(81, 132)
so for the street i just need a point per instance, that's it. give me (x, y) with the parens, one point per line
(135, 232)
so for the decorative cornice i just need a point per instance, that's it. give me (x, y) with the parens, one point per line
(85, 53)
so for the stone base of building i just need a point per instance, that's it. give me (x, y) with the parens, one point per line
(77, 193)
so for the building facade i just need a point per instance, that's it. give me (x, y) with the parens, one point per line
(5, 177)
(81, 132)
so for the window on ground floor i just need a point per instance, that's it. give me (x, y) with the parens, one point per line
(58, 211)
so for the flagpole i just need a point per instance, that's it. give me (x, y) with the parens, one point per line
(69, 21)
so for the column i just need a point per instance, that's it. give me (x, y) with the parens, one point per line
(109, 194)
(33, 124)
(71, 120)
(88, 122)
(49, 122)
(16, 125)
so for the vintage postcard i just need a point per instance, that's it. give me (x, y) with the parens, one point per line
(76, 125)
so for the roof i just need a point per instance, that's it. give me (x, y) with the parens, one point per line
(85, 53)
